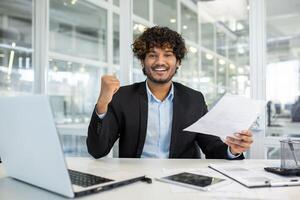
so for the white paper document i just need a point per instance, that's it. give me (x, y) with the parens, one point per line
(231, 114)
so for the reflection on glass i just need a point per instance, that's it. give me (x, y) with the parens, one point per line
(73, 89)
(273, 153)
(225, 36)
(137, 75)
(16, 72)
(232, 79)
(165, 13)
(221, 42)
(189, 69)
(207, 34)
(116, 2)
(189, 24)
(283, 69)
(207, 80)
(141, 8)
(116, 39)
(78, 29)
(221, 76)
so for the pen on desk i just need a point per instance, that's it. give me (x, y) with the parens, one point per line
(290, 143)
(292, 182)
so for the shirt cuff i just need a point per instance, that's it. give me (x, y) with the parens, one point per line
(101, 116)
(230, 155)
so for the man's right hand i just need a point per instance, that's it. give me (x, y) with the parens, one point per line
(109, 86)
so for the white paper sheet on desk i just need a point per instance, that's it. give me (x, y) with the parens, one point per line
(231, 114)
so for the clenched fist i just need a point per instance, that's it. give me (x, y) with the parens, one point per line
(109, 86)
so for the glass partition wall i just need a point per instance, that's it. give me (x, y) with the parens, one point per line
(282, 74)
(16, 70)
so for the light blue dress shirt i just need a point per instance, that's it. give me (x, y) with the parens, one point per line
(159, 126)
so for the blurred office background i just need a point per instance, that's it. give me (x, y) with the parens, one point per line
(62, 47)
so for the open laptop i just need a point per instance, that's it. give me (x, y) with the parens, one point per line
(31, 151)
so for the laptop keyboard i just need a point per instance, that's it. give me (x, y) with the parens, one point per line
(86, 180)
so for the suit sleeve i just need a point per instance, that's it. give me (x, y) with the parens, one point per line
(212, 146)
(103, 133)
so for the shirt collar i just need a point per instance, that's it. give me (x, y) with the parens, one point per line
(151, 96)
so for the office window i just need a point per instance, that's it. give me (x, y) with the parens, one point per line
(221, 76)
(116, 2)
(221, 42)
(16, 70)
(77, 59)
(189, 24)
(207, 77)
(141, 8)
(137, 76)
(165, 13)
(282, 72)
(283, 69)
(78, 29)
(188, 72)
(224, 30)
(207, 34)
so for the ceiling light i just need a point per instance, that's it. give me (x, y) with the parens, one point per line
(55, 68)
(232, 66)
(172, 20)
(82, 70)
(209, 56)
(205, 79)
(193, 50)
(240, 70)
(239, 26)
(141, 28)
(184, 27)
(241, 50)
(222, 62)
(13, 44)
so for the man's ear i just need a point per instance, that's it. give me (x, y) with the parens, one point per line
(178, 63)
(142, 63)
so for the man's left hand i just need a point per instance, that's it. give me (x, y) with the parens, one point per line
(240, 143)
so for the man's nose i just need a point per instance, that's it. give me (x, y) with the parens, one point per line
(160, 60)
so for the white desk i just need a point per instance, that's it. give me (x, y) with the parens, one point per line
(12, 189)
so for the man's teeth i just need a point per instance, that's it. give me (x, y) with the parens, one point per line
(160, 69)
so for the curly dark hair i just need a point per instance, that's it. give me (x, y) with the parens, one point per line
(161, 37)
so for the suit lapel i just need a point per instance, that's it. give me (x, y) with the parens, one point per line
(177, 113)
(143, 116)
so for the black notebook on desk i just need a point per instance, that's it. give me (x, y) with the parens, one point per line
(253, 177)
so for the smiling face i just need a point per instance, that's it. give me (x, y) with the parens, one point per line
(160, 65)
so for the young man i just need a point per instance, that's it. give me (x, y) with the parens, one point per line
(148, 118)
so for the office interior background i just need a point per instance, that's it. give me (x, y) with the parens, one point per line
(62, 47)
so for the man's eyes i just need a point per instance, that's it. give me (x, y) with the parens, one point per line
(154, 55)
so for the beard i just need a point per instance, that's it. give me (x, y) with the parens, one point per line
(158, 81)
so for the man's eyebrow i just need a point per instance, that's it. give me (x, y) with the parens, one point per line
(151, 51)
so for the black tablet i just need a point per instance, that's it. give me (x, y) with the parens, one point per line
(195, 181)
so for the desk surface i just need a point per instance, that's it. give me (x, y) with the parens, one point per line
(12, 189)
